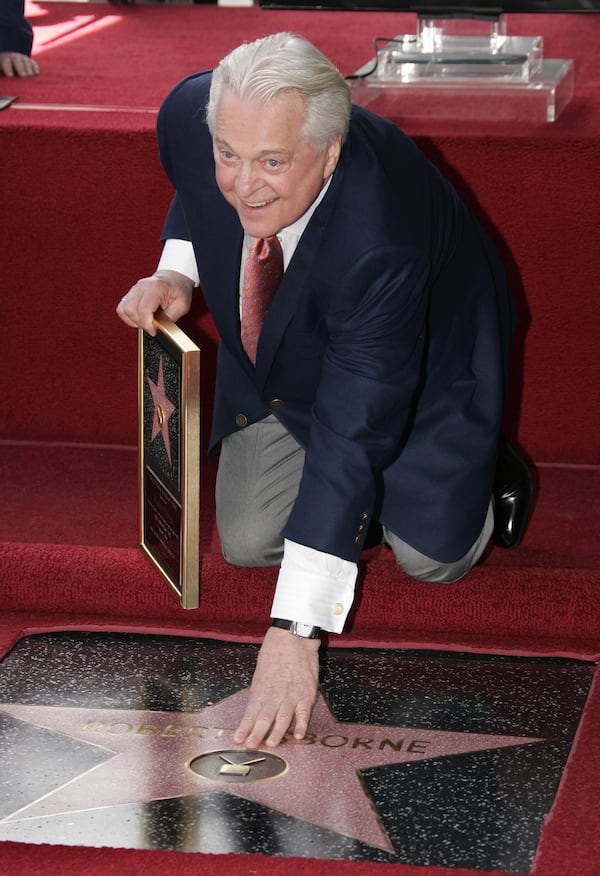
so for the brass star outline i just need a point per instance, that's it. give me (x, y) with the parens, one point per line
(322, 784)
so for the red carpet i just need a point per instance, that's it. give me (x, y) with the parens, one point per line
(83, 200)
(89, 182)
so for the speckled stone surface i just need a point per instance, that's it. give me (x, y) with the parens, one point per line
(420, 757)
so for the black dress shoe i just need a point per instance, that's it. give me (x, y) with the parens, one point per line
(513, 497)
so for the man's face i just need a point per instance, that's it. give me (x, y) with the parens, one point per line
(263, 166)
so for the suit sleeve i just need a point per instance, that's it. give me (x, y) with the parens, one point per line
(180, 121)
(365, 399)
(175, 224)
(16, 34)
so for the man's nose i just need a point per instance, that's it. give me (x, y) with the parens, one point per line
(246, 179)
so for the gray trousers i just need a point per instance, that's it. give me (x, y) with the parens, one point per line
(257, 483)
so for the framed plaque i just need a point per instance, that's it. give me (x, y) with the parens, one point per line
(169, 456)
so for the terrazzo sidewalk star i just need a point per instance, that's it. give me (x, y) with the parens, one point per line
(317, 781)
(430, 758)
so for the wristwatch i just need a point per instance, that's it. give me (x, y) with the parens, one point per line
(302, 631)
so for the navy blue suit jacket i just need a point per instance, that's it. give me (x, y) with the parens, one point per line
(16, 34)
(384, 352)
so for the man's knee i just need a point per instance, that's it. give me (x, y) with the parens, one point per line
(423, 568)
(435, 573)
(255, 547)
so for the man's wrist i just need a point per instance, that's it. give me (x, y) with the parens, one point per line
(295, 628)
(168, 275)
(314, 586)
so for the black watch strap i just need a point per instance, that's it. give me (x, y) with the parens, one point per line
(302, 631)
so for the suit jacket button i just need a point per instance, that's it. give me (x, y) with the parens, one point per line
(276, 403)
(241, 420)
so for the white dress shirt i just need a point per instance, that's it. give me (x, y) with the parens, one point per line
(313, 587)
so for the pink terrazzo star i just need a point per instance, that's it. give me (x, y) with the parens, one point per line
(158, 755)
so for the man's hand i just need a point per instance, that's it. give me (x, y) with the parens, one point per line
(284, 689)
(16, 64)
(169, 290)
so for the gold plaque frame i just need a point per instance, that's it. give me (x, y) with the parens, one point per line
(169, 456)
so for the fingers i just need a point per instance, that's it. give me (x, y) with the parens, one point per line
(26, 66)
(16, 64)
(173, 294)
(267, 722)
(302, 719)
(270, 724)
(256, 723)
(137, 310)
(138, 306)
(283, 692)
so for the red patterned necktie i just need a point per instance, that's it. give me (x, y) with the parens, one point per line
(262, 275)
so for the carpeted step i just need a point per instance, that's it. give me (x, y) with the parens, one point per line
(87, 495)
(69, 543)
(511, 602)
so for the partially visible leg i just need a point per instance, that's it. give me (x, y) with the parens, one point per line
(257, 483)
(423, 568)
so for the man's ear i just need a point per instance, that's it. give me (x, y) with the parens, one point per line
(333, 156)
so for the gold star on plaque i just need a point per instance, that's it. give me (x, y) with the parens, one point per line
(163, 409)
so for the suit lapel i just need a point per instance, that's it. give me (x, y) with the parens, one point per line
(294, 285)
(222, 252)
(296, 281)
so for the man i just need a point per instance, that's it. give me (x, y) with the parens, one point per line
(375, 391)
(16, 40)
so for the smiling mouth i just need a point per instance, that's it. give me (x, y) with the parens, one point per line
(259, 204)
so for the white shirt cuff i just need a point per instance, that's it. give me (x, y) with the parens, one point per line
(314, 587)
(178, 255)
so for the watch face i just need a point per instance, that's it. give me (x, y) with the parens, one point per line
(305, 631)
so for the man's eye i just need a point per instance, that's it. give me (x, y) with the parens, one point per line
(226, 155)
(273, 163)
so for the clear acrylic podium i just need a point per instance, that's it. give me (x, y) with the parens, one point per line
(466, 68)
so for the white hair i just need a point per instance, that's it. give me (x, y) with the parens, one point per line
(280, 63)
